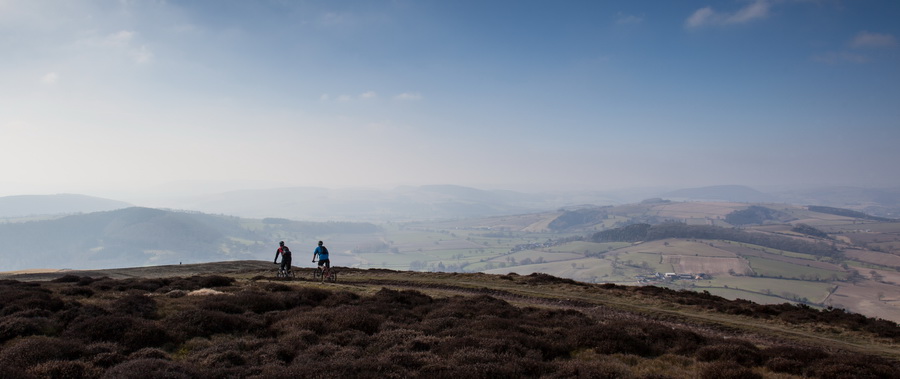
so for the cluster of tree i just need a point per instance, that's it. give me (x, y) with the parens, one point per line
(576, 218)
(647, 232)
(809, 230)
(846, 213)
(755, 214)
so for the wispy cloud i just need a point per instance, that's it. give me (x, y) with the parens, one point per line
(409, 96)
(707, 16)
(368, 95)
(860, 48)
(873, 40)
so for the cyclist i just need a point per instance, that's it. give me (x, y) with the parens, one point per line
(322, 252)
(285, 257)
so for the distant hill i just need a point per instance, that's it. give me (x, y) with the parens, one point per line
(31, 205)
(883, 202)
(742, 194)
(142, 236)
(402, 203)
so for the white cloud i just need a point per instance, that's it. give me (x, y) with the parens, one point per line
(368, 95)
(409, 96)
(50, 78)
(707, 16)
(873, 40)
(700, 17)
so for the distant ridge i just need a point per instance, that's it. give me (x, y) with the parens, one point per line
(735, 193)
(32, 205)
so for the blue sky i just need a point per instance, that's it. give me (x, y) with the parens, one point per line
(101, 96)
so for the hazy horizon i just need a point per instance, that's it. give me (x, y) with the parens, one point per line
(100, 98)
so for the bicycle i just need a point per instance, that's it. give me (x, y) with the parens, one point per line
(324, 273)
(285, 273)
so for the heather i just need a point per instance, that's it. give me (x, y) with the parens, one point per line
(80, 327)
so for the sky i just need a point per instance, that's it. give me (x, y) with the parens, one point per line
(132, 95)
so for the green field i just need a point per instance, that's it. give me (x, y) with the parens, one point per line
(772, 268)
(788, 289)
(648, 261)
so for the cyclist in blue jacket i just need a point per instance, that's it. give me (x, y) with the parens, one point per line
(322, 252)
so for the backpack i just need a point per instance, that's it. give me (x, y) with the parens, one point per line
(285, 250)
(324, 251)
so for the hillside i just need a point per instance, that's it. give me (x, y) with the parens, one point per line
(144, 236)
(232, 319)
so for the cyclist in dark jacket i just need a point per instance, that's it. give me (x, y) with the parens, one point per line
(285, 256)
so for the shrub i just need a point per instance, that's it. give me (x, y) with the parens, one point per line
(204, 323)
(22, 298)
(135, 305)
(150, 368)
(14, 326)
(214, 281)
(31, 351)
(724, 369)
(471, 307)
(149, 353)
(388, 339)
(539, 278)
(64, 369)
(133, 333)
(786, 365)
(848, 365)
(277, 287)
(744, 354)
(68, 278)
(77, 291)
(104, 354)
(599, 369)
(312, 296)
(611, 338)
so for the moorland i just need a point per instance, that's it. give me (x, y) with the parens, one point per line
(235, 319)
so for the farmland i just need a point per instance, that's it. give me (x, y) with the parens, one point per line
(524, 244)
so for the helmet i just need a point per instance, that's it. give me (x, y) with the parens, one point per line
(320, 243)
(281, 243)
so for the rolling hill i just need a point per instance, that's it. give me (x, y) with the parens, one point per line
(144, 236)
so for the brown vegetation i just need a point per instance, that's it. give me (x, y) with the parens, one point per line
(135, 328)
